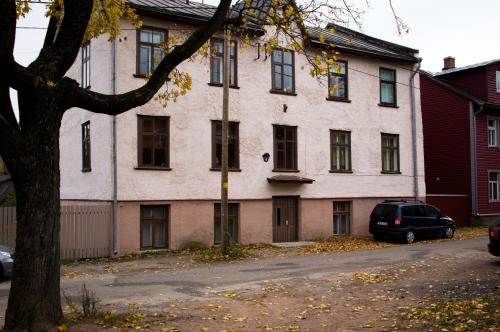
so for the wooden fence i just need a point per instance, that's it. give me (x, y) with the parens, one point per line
(85, 230)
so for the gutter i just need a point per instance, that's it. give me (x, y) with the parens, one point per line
(416, 193)
(473, 155)
(114, 163)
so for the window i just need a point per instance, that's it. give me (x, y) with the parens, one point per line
(498, 81)
(86, 66)
(340, 142)
(154, 228)
(387, 87)
(337, 80)
(232, 223)
(492, 132)
(493, 186)
(232, 145)
(431, 212)
(285, 148)
(153, 141)
(390, 153)
(86, 166)
(341, 213)
(217, 63)
(283, 71)
(149, 49)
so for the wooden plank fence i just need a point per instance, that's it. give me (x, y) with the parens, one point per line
(85, 230)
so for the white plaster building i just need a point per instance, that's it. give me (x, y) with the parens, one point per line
(359, 148)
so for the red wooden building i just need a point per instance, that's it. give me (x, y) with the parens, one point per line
(461, 126)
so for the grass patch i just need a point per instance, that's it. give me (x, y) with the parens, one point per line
(476, 314)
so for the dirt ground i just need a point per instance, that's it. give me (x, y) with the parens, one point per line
(458, 293)
(171, 260)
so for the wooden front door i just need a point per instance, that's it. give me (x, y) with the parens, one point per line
(285, 219)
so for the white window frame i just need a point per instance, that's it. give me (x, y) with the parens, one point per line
(498, 81)
(492, 185)
(492, 144)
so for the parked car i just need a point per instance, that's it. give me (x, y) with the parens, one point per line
(408, 221)
(494, 245)
(6, 261)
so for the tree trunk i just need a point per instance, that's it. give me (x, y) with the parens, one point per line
(34, 298)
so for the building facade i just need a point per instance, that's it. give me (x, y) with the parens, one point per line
(461, 119)
(306, 161)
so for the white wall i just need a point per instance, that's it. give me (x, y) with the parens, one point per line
(94, 185)
(256, 109)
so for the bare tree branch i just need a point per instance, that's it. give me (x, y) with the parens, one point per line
(116, 104)
(55, 60)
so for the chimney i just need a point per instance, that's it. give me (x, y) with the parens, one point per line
(449, 63)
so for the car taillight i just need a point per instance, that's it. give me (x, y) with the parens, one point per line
(494, 233)
(397, 221)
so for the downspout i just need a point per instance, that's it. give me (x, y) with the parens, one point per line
(473, 156)
(115, 175)
(416, 194)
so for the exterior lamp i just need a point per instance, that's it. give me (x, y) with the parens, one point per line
(266, 156)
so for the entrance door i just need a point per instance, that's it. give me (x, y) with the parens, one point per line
(285, 219)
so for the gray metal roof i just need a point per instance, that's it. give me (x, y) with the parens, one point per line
(344, 39)
(352, 41)
(477, 65)
(178, 8)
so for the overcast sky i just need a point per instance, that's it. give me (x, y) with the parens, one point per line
(438, 28)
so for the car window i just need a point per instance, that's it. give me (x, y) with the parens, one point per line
(431, 211)
(418, 211)
(407, 211)
(385, 210)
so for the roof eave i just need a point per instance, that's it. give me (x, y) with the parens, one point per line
(355, 50)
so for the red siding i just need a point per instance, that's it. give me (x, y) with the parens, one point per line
(445, 118)
(457, 208)
(491, 81)
(472, 81)
(487, 159)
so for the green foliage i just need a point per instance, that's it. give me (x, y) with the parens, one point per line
(9, 200)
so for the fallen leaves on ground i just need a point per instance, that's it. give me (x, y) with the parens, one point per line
(476, 314)
(344, 243)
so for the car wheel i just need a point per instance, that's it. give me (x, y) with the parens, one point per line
(410, 237)
(448, 233)
(378, 237)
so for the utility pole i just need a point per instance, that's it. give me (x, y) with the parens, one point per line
(225, 130)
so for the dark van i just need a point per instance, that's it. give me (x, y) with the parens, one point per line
(409, 220)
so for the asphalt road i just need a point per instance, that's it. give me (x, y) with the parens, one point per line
(155, 288)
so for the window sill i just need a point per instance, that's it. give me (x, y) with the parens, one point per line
(387, 172)
(146, 76)
(277, 92)
(215, 169)
(335, 171)
(497, 201)
(146, 168)
(388, 105)
(492, 147)
(338, 99)
(86, 170)
(286, 170)
(221, 85)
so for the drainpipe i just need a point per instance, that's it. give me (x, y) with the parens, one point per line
(473, 155)
(114, 166)
(414, 131)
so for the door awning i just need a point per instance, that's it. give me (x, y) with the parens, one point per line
(289, 179)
